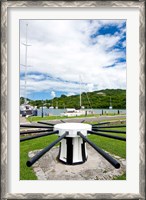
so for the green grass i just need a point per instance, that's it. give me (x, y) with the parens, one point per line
(113, 146)
(116, 147)
(38, 118)
(122, 177)
(26, 173)
(111, 121)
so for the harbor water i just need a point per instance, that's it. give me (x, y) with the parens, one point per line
(57, 112)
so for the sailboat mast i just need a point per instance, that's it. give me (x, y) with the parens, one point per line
(80, 95)
(110, 107)
(26, 65)
(25, 78)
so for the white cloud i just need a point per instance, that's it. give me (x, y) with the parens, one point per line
(70, 94)
(63, 49)
(53, 94)
(90, 87)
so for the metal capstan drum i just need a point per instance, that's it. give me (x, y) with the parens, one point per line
(72, 138)
(72, 148)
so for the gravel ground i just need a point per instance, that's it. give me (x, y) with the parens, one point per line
(95, 168)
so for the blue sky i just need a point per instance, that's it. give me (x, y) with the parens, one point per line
(67, 56)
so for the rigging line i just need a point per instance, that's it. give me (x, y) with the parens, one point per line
(86, 94)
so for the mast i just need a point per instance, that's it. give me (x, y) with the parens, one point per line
(110, 103)
(56, 104)
(26, 66)
(80, 96)
(26, 45)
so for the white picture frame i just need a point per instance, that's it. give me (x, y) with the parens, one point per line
(5, 94)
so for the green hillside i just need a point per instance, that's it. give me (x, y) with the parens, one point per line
(96, 99)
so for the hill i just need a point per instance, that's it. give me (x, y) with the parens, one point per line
(97, 99)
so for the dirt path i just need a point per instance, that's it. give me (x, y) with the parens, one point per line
(23, 120)
(90, 119)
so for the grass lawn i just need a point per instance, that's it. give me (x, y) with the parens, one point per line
(115, 147)
(122, 177)
(26, 173)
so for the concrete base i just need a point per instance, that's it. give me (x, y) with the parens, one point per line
(96, 167)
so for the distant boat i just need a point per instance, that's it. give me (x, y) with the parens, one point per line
(72, 112)
(110, 107)
(44, 107)
(28, 110)
(51, 107)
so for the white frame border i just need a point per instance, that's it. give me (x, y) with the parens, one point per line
(4, 8)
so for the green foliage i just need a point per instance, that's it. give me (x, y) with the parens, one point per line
(97, 99)
(22, 99)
